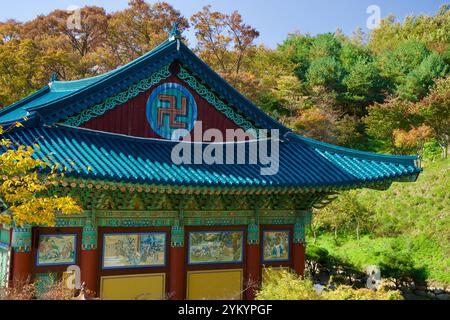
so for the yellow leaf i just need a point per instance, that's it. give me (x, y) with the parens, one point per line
(18, 125)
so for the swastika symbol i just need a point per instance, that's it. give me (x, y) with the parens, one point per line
(172, 111)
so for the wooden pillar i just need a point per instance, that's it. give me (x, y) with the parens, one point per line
(22, 257)
(253, 262)
(299, 245)
(89, 257)
(298, 258)
(177, 269)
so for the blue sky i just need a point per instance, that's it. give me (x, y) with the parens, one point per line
(273, 18)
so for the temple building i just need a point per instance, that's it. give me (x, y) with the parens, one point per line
(160, 221)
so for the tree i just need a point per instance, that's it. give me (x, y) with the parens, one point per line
(435, 109)
(418, 82)
(21, 70)
(317, 123)
(276, 89)
(396, 64)
(383, 119)
(326, 72)
(412, 141)
(24, 188)
(432, 30)
(224, 42)
(397, 265)
(297, 48)
(138, 29)
(53, 35)
(345, 212)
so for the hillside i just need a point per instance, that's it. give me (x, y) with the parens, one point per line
(416, 215)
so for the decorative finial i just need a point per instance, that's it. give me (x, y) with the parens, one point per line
(175, 32)
(54, 77)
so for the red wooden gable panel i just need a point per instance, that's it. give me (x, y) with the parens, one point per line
(131, 117)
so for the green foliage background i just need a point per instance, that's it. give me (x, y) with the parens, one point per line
(410, 219)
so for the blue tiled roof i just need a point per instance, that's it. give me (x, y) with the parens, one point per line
(304, 163)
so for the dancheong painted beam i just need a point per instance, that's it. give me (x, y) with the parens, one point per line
(153, 228)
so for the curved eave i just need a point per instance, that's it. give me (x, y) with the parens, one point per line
(333, 149)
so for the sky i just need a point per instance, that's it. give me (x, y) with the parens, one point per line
(274, 19)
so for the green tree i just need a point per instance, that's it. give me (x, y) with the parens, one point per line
(297, 48)
(418, 82)
(435, 109)
(396, 64)
(326, 72)
(383, 119)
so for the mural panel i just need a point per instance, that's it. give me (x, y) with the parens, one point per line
(58, 249)
(134, 250)
(216, 247)
(276, 246)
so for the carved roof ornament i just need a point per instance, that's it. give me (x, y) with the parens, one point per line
(175, 32)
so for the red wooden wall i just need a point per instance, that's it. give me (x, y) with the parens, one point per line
(131, 117)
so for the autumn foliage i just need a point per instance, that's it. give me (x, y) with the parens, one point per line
(24, 186)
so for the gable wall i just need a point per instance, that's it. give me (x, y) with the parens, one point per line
(131, 118)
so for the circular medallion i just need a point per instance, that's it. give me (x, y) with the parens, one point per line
(171, 107)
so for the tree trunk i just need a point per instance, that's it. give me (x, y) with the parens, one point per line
(357, 230)
(444, 145)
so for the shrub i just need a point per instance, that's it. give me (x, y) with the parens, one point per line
(348, 293)
(23, 290)
(285, 285)
(400, 269)
(317, 259)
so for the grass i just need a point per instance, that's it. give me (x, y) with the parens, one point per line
(416, 214)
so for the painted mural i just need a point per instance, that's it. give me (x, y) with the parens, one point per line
(56, 250)
(276, 245)
(134, 250)
(216, 247)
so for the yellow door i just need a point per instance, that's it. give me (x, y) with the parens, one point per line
(215, 285)
(133, 287)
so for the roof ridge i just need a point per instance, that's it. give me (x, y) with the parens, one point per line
(108, 75)
(114, 71)
(143, 139)
(29, 98)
